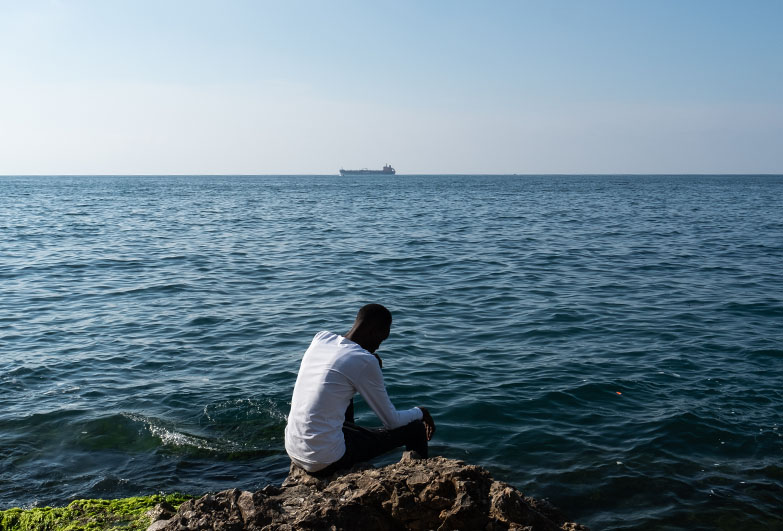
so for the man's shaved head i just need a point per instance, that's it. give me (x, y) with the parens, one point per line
(371, 328)
(374, 314)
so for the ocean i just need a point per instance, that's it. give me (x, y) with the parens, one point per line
(612, 343)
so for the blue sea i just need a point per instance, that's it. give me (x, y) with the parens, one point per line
(612, 343)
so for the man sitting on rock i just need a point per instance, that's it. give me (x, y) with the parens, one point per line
(321, 436)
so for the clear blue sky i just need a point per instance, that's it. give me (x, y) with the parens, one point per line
(126, 87)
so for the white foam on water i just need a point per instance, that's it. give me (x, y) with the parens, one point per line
(172, 437)
(180, 439)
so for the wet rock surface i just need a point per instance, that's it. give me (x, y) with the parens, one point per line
(415, 494)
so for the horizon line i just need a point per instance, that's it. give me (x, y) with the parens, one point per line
(475, 174)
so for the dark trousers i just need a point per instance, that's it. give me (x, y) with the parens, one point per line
(363, 444)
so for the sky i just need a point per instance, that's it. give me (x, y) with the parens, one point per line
(430, 86)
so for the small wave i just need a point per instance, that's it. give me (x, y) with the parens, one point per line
(257, 421)
(565, 316)
(205, 321)
(163, 288)
(762, 309)
(774, 353)
(61, 390)
(21, 371)
(169, 436)
(134, 434)
(225, 434)
(546, 333)
(174, 438)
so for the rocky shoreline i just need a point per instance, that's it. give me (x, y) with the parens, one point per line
(415, 494)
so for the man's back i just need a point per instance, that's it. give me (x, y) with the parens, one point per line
(322, 393)
(333, 369)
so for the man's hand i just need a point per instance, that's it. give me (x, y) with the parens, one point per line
(429, 424)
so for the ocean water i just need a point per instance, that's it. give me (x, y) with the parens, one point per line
(612, 343)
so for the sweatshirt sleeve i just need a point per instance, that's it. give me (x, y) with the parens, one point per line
(370, 385)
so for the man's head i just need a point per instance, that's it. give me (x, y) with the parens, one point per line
(372, 326)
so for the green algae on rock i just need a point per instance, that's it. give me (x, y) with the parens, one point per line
(126, 514)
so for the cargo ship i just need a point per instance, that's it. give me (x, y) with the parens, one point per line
(387, 170)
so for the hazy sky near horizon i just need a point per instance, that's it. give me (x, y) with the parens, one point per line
(260, 87)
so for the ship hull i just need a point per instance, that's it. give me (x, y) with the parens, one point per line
(366, 172)
(387, 170)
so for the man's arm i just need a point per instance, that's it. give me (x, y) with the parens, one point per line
(429, 423)
(370, 385)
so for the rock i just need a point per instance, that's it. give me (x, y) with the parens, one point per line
(158, 525)
(298, 476)
(162, 511)
(416, 494)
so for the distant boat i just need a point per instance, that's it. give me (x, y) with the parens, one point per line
(387, 170)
